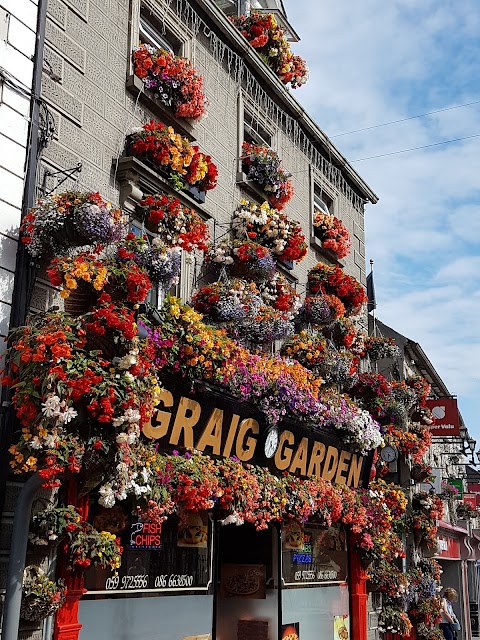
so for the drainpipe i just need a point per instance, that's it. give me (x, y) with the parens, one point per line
(18, 552)
(25, 272)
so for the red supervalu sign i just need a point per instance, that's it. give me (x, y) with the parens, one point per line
(445, 415)
(448, 547)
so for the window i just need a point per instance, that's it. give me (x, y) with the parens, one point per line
(150, 32)
(182, 289)
(254, 132)
(322, 202)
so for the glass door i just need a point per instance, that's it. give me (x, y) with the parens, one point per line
(247, 600)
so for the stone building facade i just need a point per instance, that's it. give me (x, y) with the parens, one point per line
(97, 102)
(94, 101)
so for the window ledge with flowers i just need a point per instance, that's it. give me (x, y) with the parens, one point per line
(328, 254)
(181, 164)
(169, 86)
(330, 237)
(136, 87)
(137, 179)
(263, 175)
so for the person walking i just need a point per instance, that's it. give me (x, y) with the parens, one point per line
(449, 623)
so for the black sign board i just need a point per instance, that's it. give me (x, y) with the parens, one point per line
(222, 426)
(164, 563)
(312, 554)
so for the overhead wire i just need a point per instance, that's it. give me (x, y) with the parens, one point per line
(425, 146)
(420, 115)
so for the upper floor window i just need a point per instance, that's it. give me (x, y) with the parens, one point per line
(150, 32)
(322, 203)
(254, 132)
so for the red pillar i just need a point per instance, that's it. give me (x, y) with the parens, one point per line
(66, 625)
(358, 595)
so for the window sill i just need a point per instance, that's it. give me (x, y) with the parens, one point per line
(136, 87)
(326, 253)
(252, 188)
(285, 267)
(138, 179)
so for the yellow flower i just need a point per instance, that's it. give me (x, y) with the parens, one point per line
(64, 293)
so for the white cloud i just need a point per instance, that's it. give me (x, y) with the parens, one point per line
(373, 62)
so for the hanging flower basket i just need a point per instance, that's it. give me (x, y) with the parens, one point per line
(251, 261)
(41, 597)
(79, 301)
(419, 473)
(94, 466)
(322, 310)
(371, 586)
(418, 537)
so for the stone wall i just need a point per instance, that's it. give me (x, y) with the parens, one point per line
(89, 47)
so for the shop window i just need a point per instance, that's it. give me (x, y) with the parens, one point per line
(152, 33)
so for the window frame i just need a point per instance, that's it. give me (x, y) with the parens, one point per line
(176, 32)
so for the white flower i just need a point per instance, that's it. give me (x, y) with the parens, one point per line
(132, 415)
(233, 518)
(36, 443)
(50, 440)
(51, 405)
(69, 414)
(107, 498)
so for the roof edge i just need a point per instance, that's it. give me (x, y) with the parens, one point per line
(249, 53)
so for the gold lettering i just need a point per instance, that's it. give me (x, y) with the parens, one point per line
(245, 447)
(300, 458)
(318, 454)
(331, 462)
(185, 423)
(160, 421)
(342, 468)
(283, 456)
(231, 436)
(355, 470)
(212, 434)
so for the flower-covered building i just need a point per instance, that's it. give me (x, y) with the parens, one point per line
(194, 388)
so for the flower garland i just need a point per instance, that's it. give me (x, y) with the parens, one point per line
(195, 482)
(262, 165)
(263, 33)
(171, 79)
(184, 164)
(332, 233)
(67, 219)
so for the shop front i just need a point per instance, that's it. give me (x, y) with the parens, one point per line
(208, 574)
(451, 555)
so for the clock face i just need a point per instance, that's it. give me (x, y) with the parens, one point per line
(271, 443)
(388, 453)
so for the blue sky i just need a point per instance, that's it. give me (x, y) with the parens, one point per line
(373, 62)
